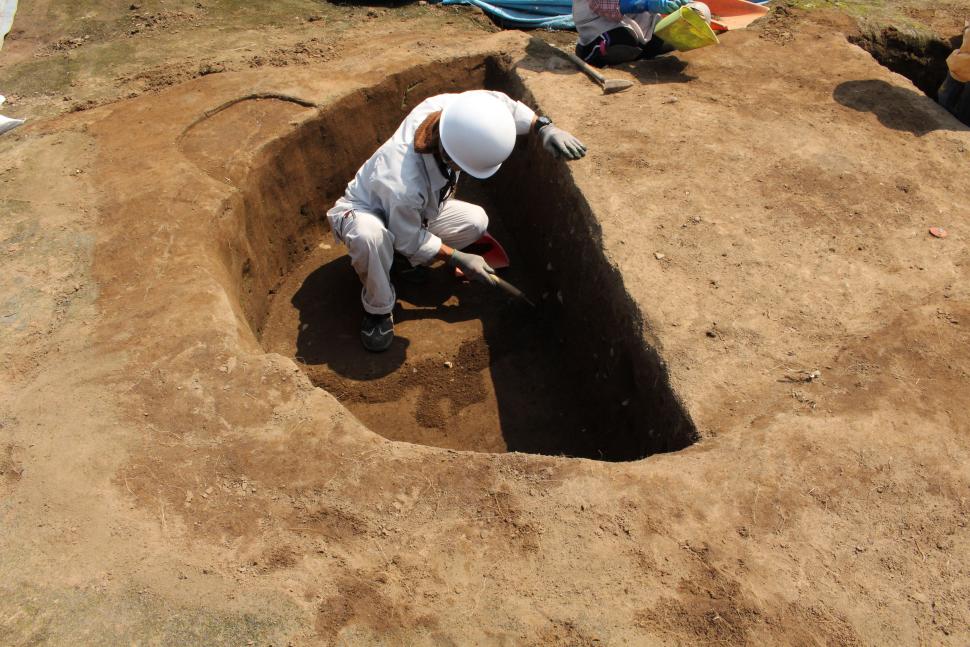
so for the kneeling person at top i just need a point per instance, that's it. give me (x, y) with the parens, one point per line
(401, 198)
(619, 31)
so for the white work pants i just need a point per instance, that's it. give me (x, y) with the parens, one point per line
(371, 245)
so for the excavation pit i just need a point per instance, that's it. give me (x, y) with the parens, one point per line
(919, 57)
(470, 368)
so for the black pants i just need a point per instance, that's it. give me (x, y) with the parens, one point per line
(619, 45)
(955, 97)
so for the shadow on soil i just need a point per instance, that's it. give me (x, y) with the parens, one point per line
(895, 107)
(542, 406)
(661, 70)
(544, 57)
(330, 316)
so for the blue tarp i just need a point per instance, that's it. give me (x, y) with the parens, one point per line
(543, 14)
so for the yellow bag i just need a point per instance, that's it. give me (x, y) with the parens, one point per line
(685, 29)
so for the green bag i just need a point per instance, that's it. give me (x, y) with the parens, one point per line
(685, 29)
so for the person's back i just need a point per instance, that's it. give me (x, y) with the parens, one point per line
(595, 17)
(954, 94)
(619, 31)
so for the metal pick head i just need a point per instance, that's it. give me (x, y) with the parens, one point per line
(616, 85)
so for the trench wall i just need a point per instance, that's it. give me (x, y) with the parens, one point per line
(599, 321)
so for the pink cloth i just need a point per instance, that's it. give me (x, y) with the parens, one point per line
(606, 8)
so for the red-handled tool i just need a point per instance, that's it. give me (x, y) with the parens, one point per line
(489, 249)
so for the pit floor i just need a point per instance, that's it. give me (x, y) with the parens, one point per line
(507, 386)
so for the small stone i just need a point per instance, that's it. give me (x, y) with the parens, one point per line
(448, 364)
(659, 256)
(211, 68)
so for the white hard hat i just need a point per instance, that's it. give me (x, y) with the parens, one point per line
(477, 132)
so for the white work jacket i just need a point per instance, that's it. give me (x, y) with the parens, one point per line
(404, 187)
(590, 24)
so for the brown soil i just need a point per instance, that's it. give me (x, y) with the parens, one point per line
(749, 234)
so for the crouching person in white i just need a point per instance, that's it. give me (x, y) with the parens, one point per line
(400, 200)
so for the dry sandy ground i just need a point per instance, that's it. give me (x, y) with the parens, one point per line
(755, 213)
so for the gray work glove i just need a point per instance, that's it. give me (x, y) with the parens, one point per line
(472, 265)
(559, 143)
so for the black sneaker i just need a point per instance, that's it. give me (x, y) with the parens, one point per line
(377, 332)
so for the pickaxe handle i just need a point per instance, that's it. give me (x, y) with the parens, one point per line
(585, 67)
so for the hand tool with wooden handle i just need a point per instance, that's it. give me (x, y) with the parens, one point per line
(609, 85)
